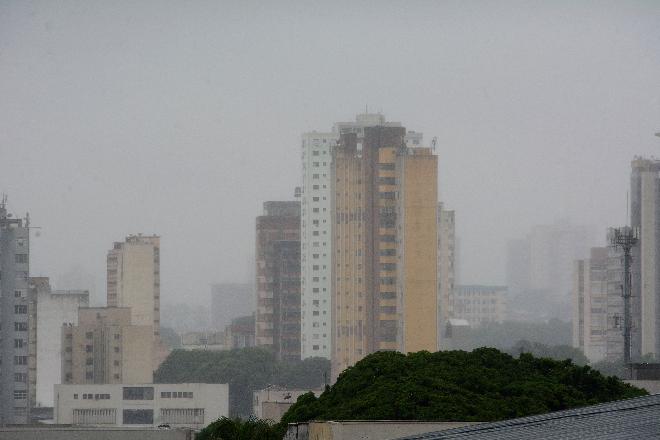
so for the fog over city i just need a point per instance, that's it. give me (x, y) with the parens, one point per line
(182, 118)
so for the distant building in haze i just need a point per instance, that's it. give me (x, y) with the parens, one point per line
(479, 304)
(230, 300)
(645, 217)
(277, 323)
(240, 333)
(446, 267)
(16, 375)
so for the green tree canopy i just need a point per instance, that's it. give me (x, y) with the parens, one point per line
(245, 370)
(236, 429)
(483, 385)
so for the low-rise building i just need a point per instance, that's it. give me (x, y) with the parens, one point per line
(193, 405)
(203, 341)
(106, 348)
(365, 429)
(272, 403)
(240, 333)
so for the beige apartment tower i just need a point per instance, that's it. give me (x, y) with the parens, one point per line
(105, 347)
(385, 246)
(134, 279)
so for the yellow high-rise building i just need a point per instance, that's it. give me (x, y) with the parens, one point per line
(385, 245)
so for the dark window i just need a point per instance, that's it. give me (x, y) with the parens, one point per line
(20, 310)
(388, 252)
(138, 416)
(389, 267)
(21, 258)
(138, 393)
(20, 326)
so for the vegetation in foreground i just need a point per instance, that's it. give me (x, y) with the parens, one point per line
(484, 385)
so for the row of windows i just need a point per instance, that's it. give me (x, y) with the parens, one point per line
(90, 396)
(176, 394)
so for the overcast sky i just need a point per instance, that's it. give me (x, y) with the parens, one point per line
(181, 118)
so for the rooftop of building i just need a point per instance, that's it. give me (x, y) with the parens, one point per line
(637, 418)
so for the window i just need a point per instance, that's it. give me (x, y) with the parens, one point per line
(388, 267)
(138, 393)
(388, 252)
(20, 360)
(94, 416)
(20, 394)
(20, 309)
(21, 258)
(20, 326)
(18, 343)
(89, 348)
(89, 335)
(178, 416)
(165, 395)
(20, 377)
(18, 294)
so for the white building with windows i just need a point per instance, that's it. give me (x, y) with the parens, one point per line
(316, 245)
(192, 405)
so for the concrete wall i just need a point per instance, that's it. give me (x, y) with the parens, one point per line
(365, 430)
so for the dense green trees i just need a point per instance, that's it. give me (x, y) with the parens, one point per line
(483, 385)
(245, 370)
(237, 429)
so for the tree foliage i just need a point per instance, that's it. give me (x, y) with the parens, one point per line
(557, 352)
(236, 429)
(245, 370)
(484, 385)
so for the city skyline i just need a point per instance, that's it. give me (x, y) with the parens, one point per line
(116, 146)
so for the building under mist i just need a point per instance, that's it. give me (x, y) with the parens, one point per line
(229, 301)
(645, 216)
(15, 375)
(598, 304)
(277, 322)
(446, 269)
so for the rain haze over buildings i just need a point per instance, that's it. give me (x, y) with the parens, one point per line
(181, 119)
(315, 182)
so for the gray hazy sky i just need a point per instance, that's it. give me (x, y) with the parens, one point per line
(181, 118)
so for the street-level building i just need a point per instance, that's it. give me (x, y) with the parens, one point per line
(271, 403)
(193, 405)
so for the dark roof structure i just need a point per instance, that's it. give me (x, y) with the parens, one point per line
(637, 418)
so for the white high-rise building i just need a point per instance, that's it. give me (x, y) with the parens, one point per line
(316, 229)
(446, 259)
(316, 245)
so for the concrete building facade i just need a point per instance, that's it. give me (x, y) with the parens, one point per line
(240, 333)
(598, 304)
(645, 217)
(53, 309)
(384, 279)
(16, 375)
(106, 348)
(133, 279)
(192, 405)
(478, 304)
(278, 278)
(446, 268)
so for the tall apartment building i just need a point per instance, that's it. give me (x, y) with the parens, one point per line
(316, 228)
(384, 282)
(598, 305)
(278, 278)
(446, 268)
(106, 347)
(645, 216)
(478, 304)
(134, 278)
(16, 375)
(53, 309)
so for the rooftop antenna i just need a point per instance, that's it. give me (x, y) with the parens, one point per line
(626, 238)
(434, 142)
